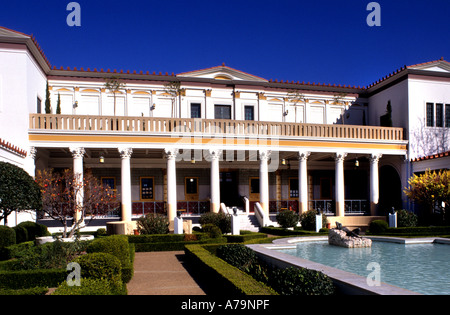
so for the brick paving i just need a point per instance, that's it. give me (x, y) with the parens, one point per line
(162, 273)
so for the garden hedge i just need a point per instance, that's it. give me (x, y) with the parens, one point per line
(224, 276)
(25, 279)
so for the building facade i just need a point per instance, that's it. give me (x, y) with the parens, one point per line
(218, 138)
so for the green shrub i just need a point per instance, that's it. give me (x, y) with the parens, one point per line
(221, 220)
(118, 246)
(34, 230)
(378, 226)
(308, 220)
(237, 255)
(100, 266)
(24, 279)
(48, 256)
(406, 219)
(7, 236)
(101, 232)
(153, 224)
(301, 281)
(224, 276)
(31, 291)
(21, 234)
(212, 230)
(287, 219)
(91, 286)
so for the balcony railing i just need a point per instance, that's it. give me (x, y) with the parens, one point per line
(210, 126)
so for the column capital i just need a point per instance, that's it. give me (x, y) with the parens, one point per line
(264, 155)
(171, 153)
(375, 158)
(340, 156)
(33, 152)
(303, 155)
(125, 152)
(77, 152)
(215, 154)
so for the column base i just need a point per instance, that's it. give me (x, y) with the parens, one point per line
(121, 227)
(340, 209)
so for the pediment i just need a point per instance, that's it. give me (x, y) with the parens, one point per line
(221, 73)
(437, 66)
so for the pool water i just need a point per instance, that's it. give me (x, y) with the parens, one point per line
(422, 268)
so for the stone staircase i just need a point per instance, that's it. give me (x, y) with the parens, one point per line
(249, 223)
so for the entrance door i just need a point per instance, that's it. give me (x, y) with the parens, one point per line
(229, 192)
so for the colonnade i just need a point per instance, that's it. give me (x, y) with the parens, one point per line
(214, 157)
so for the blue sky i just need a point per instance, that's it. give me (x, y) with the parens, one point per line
(312, 41)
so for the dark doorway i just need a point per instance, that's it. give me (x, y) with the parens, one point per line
(229, 192)
(390, 190)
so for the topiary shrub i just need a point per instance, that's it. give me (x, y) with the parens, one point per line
(301, 281)
(118, 246)
(34, 230)
(221, 220)
(21, 234)
(406, 219)
(7, 236)
(287, 219)
(212, 230)
(100, 266)
(378, 226)
(153, 224)
(237, 255)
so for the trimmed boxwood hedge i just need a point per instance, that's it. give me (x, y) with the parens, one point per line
(25, 279)
(224, 276)
(118, 246)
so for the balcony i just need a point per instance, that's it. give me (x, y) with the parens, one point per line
(146, 125)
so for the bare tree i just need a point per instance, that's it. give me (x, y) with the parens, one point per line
(60, 198)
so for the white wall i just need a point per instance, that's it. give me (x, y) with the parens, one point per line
(21, 83)
(425, 140)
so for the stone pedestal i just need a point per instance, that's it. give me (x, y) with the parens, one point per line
(340, 238)
(121, 227)
(178, 226)
(235, 225)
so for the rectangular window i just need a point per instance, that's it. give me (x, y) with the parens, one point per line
(249, 113)
(222, 111)
(447, 115)
(325, 188)
(39, 105)
(254, 185)
(147, 186)
(109, 182)
(191, 185)
(430, 115)
(196, 110)
(439, 115)
(293, 188)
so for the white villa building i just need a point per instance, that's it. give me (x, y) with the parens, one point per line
(221, 138)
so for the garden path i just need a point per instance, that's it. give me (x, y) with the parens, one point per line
(162, 273)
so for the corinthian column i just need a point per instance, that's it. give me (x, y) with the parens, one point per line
(374, 183)
(125, 154)
(78, 154)
(340, 189)
(215, 180)
(171, 155)
(264, 181)
(303, 181)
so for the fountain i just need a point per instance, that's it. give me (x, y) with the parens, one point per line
(341, 236)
